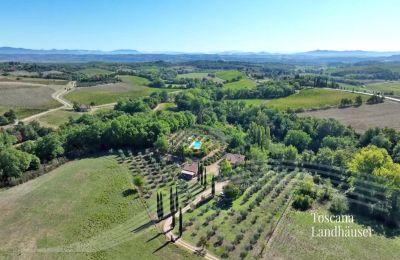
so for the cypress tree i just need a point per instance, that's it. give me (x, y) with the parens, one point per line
(173, 220)
(180, 222)
(205, 181)
(161, 205)
(171, 201)
(198, 172)
(176, 199)
(213, 186)
(158, 205)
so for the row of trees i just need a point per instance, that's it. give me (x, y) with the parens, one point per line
(91, 134)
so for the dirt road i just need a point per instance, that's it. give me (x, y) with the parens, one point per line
(179, 241)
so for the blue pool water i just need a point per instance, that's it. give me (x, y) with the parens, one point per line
(196, 145)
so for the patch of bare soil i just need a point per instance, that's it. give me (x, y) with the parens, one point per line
(362, 118)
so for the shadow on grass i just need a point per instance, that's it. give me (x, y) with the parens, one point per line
(143, 227)
(129, 192)
(224, 204)
(154, 237)
(378, 226)
(162, 246)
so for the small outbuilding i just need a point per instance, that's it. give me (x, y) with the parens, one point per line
(189, 171)
(234, 159)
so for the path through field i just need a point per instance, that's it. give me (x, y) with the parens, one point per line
(58, 96)
(179, 241)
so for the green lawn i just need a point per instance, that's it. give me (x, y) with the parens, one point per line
(386, 87)
(90, 72)
(130, 87)
(307, 99)
(241, 84)
(135, 80)
(84, 209)
(58, 117)
(228, 74)
(293, 240)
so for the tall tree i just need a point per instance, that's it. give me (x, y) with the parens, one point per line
(173, 220)
(171, 201)
(161, 205)
(176, 199)
(205, 180)
(180, 222)
(213, 186)
(199, 172)
(158, 205)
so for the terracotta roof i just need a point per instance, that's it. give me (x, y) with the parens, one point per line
(190, 167)
(234, 158)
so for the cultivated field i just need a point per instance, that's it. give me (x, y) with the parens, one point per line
(241, 231)
(33, 80)
(26, 98)
(241, 84)
(366, 116)
(193, 75)
(306, 98)
(130, 87)
(387, 88)
(293, 240)
(199, 75)
(84, 209)
(228, 74)
(90, 72)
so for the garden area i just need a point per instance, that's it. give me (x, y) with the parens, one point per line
(206, 143)
(233, 228)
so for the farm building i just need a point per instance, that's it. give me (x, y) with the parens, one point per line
(189, 171)
(234, 159)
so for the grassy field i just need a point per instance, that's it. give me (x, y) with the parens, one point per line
(199, 75)
(306, 98)
(90, 72)
(386, 87)
(228, 74)
(241, 84)
(33, 80)
(293, 240)
(363, 117)
(166, 106)
(130, 87)
(26, 98)
(84, 209)
(193, 75)
(57, 118)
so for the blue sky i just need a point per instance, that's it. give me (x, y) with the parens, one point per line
(201, 25)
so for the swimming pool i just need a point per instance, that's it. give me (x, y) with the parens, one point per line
(196, 145)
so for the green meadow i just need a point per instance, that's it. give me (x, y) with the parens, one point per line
(130, 87)
(228, 74)
(241, 84)
(306, 98)
(85, 209)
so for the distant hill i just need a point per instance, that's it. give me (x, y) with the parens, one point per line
(355, 53)
(11, 50)
(127, 55)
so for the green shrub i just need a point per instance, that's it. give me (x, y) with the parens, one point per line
(339, 204)
(302, 202)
